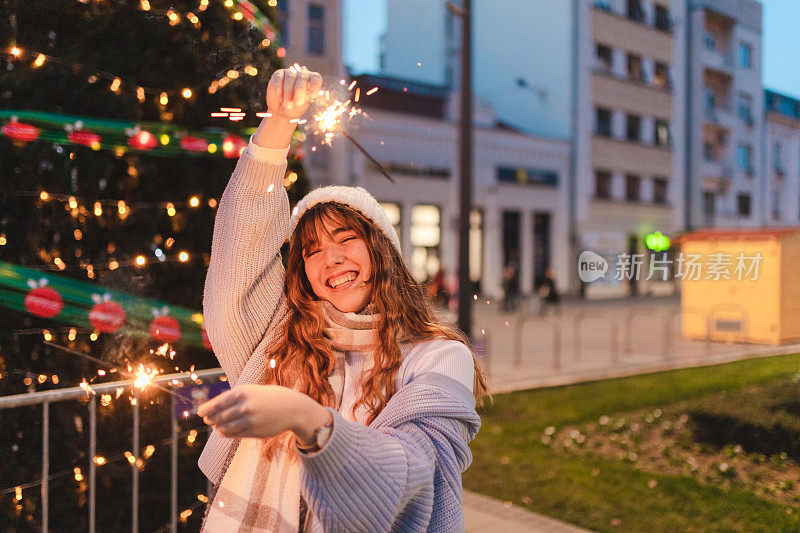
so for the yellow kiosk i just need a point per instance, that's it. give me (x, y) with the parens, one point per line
(741, 285)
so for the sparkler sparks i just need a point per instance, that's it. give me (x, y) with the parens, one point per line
(144, 377)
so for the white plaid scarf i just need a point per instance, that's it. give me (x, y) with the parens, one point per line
(258, 495)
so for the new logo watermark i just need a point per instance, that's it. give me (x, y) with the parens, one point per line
(591, 266)
(717, 266)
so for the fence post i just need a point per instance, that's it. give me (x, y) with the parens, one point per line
(556, 346)
(173, 495)
(92, 455)
(518, 339)
(45, 466)
(614, 342)
(135, 468)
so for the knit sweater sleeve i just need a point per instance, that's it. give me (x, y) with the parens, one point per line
(243, 294)
(388, 476)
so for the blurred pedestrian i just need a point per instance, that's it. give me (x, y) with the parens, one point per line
(548, 294)
(511, 281)
(436, 288)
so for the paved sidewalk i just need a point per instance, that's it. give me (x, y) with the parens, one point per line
(588, 340)
(595, 339)
(487, 515)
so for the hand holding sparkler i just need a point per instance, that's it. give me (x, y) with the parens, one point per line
(291, 90)
(263, 411)
(289, 93)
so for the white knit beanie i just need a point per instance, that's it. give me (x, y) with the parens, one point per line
(356, 197)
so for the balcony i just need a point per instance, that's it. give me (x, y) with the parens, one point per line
(717, 175)
(635, 37)
(718, 61)
(720, 116)
(717, 168)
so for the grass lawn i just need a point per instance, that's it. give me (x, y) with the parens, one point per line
(512, 464)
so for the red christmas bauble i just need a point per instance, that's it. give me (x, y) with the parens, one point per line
(194, 144)
(165, 328)
(107, 317)
(206, 342)
(233, 145)
(20, 131)
(144, 140)
(84, 137)
(44, 302)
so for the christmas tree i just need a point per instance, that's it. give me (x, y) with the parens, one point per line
(128, 208)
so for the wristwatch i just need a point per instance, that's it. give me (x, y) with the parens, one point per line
(318, 440)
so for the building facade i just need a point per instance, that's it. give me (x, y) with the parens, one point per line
(629, 146)
(311, 33)
(725, 101)
(519, 196)
(782, 159)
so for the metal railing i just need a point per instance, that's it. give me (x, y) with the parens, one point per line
(623, 327)
(45, 398)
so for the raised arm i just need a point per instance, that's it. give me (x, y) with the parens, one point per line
(243, 296)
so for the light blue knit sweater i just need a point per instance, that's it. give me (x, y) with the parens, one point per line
(401, 473)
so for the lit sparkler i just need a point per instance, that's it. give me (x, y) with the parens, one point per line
(332, 111)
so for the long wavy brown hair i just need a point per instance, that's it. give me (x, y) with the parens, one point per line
(303, 354)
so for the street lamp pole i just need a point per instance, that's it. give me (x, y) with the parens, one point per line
(465, 151)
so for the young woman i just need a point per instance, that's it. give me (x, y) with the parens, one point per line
(351, 406)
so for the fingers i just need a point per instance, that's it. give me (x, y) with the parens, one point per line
(275, 87)
(234, 428)
(315, 84)
(301, 86)
(238, 410)
(218, 404)
(289, 82)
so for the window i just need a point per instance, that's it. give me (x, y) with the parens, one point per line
(602, 184)
(635, 11)
(778, 161)
(708, 203)
(709, 41)
(661, 76)
(662, 133)
(633, 127)
(745, 108)
(527, 176)
(710, 98)
(635, 72)
(776, 204)
(603, 53)
(605, 5)
(659, 190)
(603, 126)
(283, 21)
(632, 186)
(663, 21)
(745, 55)
(425, 235)
(708, 151)
(316, 29)
(744, 158)
(743, 204)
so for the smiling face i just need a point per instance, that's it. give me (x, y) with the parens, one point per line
(338, 266)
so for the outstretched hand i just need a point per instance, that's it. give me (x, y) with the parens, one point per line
(291, 90)
(263, 411)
